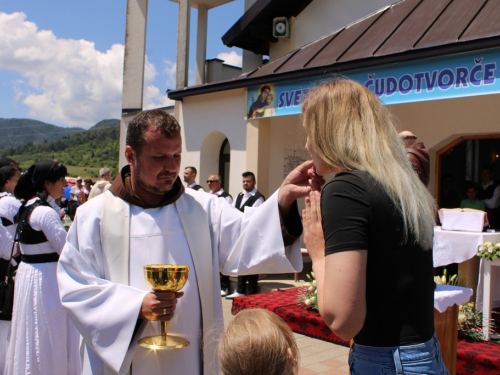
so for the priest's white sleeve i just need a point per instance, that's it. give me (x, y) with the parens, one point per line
(5, 243)
(252, 242)
(104, 312)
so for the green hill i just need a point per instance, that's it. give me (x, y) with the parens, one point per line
(83, 153)
(17, 132)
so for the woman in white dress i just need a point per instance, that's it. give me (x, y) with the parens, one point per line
(9, 205)
(43, 337)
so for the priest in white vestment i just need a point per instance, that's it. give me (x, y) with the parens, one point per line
(147, 217)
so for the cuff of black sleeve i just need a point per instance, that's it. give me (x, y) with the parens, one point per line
(291, 226)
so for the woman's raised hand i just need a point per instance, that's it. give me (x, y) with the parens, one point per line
(313, 230)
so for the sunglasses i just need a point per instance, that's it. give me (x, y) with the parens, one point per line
(210, 181)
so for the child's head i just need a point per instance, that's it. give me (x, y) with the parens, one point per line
(471, 191)
(258, 342)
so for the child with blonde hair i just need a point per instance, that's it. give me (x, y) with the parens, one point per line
(258, 342)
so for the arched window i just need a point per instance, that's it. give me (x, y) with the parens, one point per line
(224, 160)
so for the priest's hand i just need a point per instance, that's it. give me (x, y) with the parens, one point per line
(159, 306)
(298, 184)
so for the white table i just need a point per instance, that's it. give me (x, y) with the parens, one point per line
(449, 295)
(457, 247)
(447, 298)
(489, 278)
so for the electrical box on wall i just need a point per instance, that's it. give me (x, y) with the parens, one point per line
(281, 27)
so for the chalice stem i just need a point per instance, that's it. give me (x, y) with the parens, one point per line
(164, 328)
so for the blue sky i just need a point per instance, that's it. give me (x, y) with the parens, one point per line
(62, 61)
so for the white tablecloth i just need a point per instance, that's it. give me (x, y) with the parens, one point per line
(456, 247)
(448, 295)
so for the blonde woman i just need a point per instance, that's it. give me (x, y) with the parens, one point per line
(369, 234)
(258, 342)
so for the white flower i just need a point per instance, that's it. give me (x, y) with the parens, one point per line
(462, 318)
(314, 282)
(308, 302)
(490, 250)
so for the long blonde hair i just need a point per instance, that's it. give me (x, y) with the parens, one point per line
(350, 129)
(258, 342)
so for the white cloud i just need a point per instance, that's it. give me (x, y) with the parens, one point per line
(153, 97)
(64, 80)
(169, 70)
(231, 58)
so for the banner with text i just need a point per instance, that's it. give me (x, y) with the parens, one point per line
(467, 74)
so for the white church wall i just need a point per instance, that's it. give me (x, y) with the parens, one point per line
(207, 120)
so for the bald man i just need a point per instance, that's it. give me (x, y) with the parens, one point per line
(417, 155)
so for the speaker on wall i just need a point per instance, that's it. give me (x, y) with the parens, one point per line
(281, 27)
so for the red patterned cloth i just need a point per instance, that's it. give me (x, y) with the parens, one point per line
(284, 304)
(478, 358)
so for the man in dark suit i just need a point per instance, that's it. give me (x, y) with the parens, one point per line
(190, 178)
(249, 197)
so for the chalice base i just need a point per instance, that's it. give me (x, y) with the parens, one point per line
(170, 342)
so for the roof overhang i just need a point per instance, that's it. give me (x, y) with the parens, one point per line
(407, 30)
(242, 81)
(254, 30)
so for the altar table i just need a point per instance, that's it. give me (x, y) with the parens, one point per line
(447, 298)
(461, 247)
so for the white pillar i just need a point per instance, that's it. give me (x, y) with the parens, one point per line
(133, 65)
(135, 54)
(201, 45)
(183, 44)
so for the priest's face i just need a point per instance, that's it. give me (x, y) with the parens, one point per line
(157, 166)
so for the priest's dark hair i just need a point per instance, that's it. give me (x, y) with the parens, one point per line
(156, 120)
(31, 183)
(6, 173)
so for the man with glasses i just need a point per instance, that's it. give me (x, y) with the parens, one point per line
(214, 184)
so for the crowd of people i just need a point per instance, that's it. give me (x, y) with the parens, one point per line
(368, 233)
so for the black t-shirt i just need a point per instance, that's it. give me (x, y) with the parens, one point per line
(359, 215)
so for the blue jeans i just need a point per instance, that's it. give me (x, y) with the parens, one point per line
(416, 359)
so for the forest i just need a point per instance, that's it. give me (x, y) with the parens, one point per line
(83, 152)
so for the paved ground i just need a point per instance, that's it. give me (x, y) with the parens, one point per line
(317, 357)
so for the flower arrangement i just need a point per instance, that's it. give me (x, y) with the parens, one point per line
(489, 251)
(310, 295)
(470, 321)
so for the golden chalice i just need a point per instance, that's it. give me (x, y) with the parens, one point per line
(165, 278)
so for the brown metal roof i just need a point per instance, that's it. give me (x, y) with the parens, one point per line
(404, 31)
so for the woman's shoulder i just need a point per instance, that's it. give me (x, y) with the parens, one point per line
(348, 180)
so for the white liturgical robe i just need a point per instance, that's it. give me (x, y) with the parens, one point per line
(105, 305)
